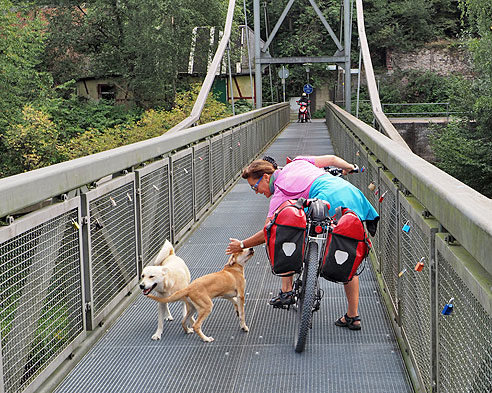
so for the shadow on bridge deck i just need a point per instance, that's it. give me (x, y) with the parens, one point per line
(125, 359)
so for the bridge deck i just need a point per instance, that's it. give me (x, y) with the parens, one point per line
(263, 360)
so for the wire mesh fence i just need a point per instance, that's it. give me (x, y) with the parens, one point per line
(423, 274)
(155, 205)
(40, 292)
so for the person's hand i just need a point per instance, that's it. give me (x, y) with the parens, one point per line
(234, 246)
(350, 170)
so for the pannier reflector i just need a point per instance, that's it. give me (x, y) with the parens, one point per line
(341, 256)
(288, 248)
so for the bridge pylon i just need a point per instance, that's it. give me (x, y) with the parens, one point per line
(341, 56)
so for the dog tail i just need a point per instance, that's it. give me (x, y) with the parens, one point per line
(166, 250)
(178, 295)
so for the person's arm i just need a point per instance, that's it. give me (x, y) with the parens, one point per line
(332, 160)
(255, 240)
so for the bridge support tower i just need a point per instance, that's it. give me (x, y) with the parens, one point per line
(341, 56)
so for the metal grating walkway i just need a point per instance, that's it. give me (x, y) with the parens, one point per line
(337, 360)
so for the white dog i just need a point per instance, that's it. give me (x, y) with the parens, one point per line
(168, 274)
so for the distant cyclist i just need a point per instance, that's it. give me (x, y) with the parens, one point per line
(304, 99)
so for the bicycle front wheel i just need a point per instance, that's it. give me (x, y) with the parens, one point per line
(306, 298)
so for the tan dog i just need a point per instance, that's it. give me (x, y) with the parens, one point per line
(228, 283)
(168, 275)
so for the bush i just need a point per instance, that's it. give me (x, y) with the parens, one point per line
(241, 106)
(319, 114)
(74, 116)
(152, 124)
(467, 159)
(31, 144)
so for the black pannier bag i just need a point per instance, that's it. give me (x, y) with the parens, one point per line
(285, 236)
(346, 247)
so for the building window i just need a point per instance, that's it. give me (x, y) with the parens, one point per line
(106, 92)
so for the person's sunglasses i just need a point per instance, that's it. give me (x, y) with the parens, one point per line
(255, 187)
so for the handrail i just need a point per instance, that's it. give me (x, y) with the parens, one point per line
(463, 212)
(380, 117)
(209, 79)
(26, 189)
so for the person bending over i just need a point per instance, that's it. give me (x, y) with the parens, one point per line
(305, 177)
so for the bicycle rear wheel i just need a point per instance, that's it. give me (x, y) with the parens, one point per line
(306, 298)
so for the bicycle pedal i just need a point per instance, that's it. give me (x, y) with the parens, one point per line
(282, 306)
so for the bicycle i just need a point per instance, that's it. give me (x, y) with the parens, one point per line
(306, 289)
(307, 293)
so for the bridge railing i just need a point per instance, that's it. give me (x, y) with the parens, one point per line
(65, 266)
(427, 216)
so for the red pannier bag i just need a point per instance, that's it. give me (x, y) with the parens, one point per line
(285, 236)
(346, 247)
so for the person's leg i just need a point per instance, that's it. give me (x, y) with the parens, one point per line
(287, 284)
(285, 297)
(352, 293)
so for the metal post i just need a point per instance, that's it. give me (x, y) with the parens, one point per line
(258, 85)
(230, 76)
(283, 83)
(270, 65)
(358, 84)
(249, 55)
(347, 31)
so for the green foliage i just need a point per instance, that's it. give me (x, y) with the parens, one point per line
(463, 148)
(146, 43)
(38, 141)
(464, 157)
(30, 144)
(412, 86)
(319, 114)
(152, 124)
(365, 111)
(73, 116)
(21, 47)
(240, 106)
(405, 24)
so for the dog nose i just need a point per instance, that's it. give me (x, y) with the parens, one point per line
(251, 250)
(142, 286)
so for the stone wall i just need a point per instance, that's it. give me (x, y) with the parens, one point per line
(443, 60)
(416, 133)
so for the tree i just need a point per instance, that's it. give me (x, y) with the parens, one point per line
(463, 148)
(144, 42)
(405, 24)
(30, 144)
(21, 48)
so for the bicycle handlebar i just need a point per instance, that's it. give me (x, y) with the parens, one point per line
(339, 171)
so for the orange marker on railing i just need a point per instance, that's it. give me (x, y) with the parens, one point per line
(420, 265)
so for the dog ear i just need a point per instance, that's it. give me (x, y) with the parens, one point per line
(232, 259)
(167, 279)
(164, 271)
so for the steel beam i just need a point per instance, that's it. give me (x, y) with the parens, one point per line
(304, 59)
(326, 24)
(346, 33)
(277, 25)
(258, 84)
